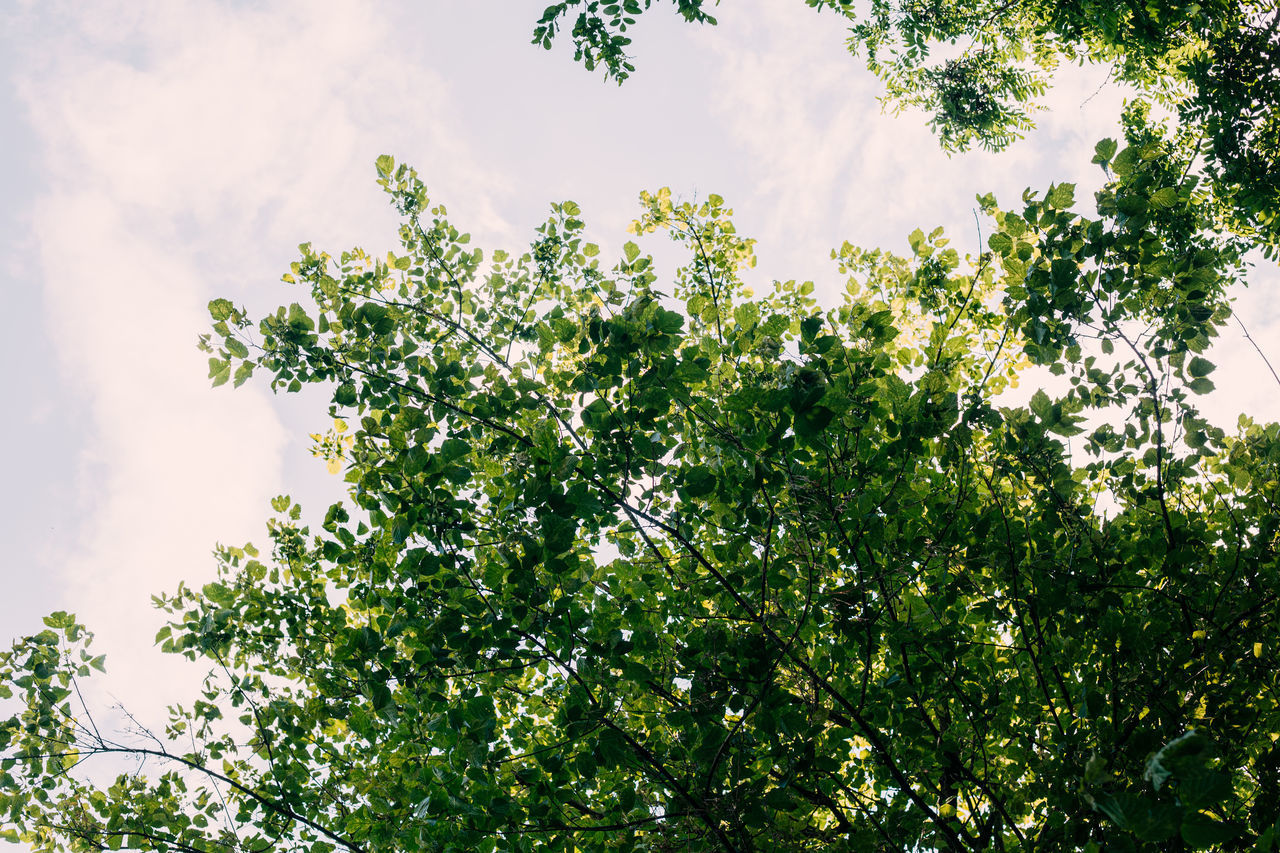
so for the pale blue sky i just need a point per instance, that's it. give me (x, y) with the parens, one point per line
(158, 154)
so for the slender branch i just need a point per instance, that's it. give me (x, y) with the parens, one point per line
(1249, 337)
(266, 802)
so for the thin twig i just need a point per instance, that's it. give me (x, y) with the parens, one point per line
(1254, 343)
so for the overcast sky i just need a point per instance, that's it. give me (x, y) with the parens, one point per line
(159, 154)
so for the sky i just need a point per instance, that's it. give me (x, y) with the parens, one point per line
(160, 154)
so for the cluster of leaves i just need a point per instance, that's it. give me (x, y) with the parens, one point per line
(633, 569)
(1214, 62)
(979, 68)
(599, 30)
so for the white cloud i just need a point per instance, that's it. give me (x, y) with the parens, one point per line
(188, 148)
(832, 165)
(173, 466)
(1244, 381)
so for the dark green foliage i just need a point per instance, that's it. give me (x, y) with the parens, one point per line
(630, 567)
(598, 29)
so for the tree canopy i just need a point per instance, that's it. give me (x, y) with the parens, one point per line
(632, 563)
(979, 67)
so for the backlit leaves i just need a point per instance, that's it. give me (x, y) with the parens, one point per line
(633, 559)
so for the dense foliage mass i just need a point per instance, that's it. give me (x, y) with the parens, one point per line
(979, 66)
(631, 564)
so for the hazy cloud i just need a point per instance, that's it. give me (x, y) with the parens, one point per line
(188, 147)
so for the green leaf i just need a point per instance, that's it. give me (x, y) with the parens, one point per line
(809, 328)
(1041, 405)
(1201, 385)
(59, 620)
(668, 322)
(345, 395)
(1124, 162)
(1154, 821)
(382, 700)
(1200, 831)
(219, 594)
(1267, 840)
(219, 371)
(221, 309)
(1199, 367)
(243, 372)
(1104, 151)
(559, 533)
(699, 481)
(1062, 196)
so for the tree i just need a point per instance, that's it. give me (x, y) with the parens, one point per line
(629, 568)
(1216, 63)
